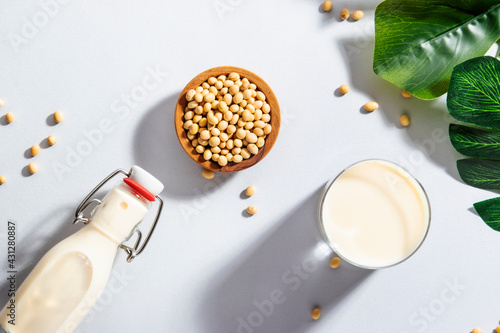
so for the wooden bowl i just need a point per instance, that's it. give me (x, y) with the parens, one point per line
(270, 99)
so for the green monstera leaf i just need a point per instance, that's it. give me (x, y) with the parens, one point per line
(474, 95)
(474, 98)
(489, 210)
(475, 142)
(480, 173)
(418, 42)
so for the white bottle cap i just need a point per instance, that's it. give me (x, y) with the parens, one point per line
(147, 180)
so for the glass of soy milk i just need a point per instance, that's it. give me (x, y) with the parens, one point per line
(374, 214)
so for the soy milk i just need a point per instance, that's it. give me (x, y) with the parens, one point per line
(374, 214)
(70, 278)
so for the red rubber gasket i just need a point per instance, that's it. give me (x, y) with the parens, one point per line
(139, 189)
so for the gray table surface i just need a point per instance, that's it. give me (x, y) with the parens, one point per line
(116, 69)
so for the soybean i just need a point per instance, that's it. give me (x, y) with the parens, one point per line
(253, 149)
(251, 137)
(208, 174)
(9, 117)
(327, 6)
(245, 153)
(233, 90)
(51, 140)
(200, 149)
(214, 141)
(315, 314)
(344, 14)
(238, 98)
(371, 106)
(252, 210)
(34, 150)
(241, 133)
(404, 120)
(32, 168)
(207, 155)
(205, 135)
(198, 97)
(193, 129)
(344, 89)
(58, 116)
(233, 76)
(357, 15)
(222, 160)
(190, 95)
(405, 94)
(335, 262)
(260, 142)
(250, 190)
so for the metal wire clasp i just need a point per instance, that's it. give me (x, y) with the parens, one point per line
(135, 250)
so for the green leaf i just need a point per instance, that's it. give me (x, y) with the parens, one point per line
(474, 92)
(475, 142)
(480, 173)
(418, 42)
(489, 210)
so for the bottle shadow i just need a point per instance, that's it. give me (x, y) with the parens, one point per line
(32, 247)
(275, 285)
(156, 148)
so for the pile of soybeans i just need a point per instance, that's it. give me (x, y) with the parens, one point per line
(227, 119)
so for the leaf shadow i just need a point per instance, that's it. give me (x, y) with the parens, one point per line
(473, 210)
(427, 133)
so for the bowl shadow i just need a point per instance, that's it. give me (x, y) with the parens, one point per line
(157, 149)
(274, 286)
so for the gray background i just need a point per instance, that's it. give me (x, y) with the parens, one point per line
(208, 264)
